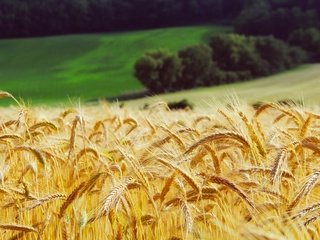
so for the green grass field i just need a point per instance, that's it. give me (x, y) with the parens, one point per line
(53, 69)
(300, 84)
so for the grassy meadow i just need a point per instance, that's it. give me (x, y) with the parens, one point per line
(101, 172)
(56, 69)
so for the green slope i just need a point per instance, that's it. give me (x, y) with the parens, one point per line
(53, 69)
(301, 83)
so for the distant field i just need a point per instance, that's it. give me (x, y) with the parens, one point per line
(301, 83)
(53, 69)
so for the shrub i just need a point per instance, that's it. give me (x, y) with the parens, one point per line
(184, 104)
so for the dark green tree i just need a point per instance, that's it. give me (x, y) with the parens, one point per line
(197, 65)
(277, 55)
(275, 18)
(309, 40)
(158, 70)
(257, 56)
(233, 52)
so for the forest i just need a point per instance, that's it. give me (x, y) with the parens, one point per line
(21, 18)
(27, 18)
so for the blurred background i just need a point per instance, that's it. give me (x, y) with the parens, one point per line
(59, 51)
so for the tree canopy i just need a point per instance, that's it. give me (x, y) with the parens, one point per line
(227, 58)
(20, 18)
(277, 17)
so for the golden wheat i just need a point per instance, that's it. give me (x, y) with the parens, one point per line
(104, 172)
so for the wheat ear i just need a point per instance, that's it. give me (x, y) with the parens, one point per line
(276, 169)
(219, 136)
(306, 188)
(18, 227)
(233, 187)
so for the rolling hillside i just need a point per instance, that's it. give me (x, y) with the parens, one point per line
(54, 69)
(301, 84)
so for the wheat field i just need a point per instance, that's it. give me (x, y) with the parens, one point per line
(104, 172)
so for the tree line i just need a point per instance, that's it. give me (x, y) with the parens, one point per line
(278, 18)
(226, 58)
(296, 22)
(25, 18)
(270, 36)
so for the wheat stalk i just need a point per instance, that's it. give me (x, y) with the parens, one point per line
(111, 199)
(73, 135)
(86, 151)
(184, 174)
(262, 108)
(200, 119)
(187, 216)
(306, 210)
(9, 95)
(233, 187)
(276, 169)
(18, 227)
(219, 136)
(40, 201)
(49, 125)
(70, 199)
(10, 136)
(253, 134)
(215, 159)
(34, 151)
(167, 187)
(306, 124)
(306, 188)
